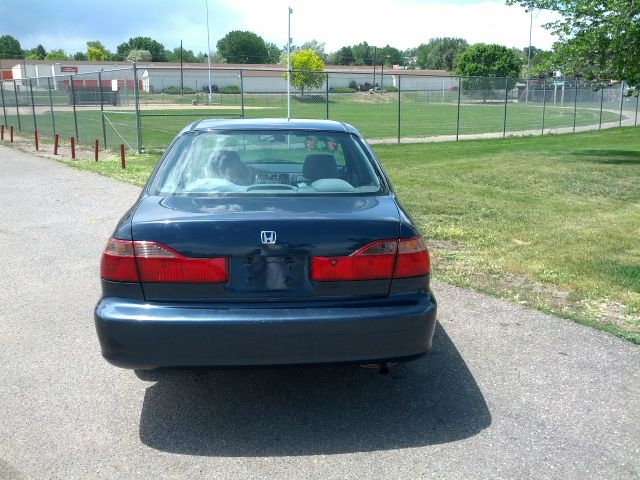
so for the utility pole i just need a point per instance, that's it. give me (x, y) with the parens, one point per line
(181, 74)
(289, 65)
(208, 50)
(529, 56)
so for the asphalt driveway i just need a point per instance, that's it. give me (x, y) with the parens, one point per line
(506, 393)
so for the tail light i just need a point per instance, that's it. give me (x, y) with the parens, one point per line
(378, 260)
(127, 261)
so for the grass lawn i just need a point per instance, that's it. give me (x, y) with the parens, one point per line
(551, 222)
(376, 116)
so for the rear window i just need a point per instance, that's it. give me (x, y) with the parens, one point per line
(266, 162)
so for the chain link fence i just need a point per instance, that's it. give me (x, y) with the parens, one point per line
(144, 108)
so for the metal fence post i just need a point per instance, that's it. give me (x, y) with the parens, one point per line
(327, 91)
(575, 103)
(601, 102)
(73, 102)
(104, 129)
(15, 92)
(137, 100)
(4, 108)
(621, 101)
(53, 116)
(544, 101)
(506, 101)
(399, 103)
(241, 94)
(33, 106)
(458, 112)
(637, 101)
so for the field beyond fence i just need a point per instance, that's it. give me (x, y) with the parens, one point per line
(145, 108)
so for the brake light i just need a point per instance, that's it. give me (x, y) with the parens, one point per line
(412, 259)
(118, 262)
(382, 259)
(128, 261)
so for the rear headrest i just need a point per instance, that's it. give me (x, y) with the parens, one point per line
(318, 166)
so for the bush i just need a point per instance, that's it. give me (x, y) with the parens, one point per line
(176, 90)
(341, 90)
(389, 88)
(353, 85)
(365, 87)
(230, 89)
(214, 88)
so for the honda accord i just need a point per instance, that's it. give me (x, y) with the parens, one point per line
(265, 242)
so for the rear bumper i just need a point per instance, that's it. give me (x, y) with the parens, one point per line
(135, 334)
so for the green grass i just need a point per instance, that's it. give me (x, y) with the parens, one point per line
(550, 222)
(376, 116)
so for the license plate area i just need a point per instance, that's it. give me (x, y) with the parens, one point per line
(261, 273)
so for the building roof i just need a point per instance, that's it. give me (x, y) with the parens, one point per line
(249, 68)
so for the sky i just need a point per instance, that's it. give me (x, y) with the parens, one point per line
(68, 24)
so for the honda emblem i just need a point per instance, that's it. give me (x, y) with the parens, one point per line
(268, 237)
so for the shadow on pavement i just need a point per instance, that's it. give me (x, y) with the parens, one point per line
(314, 410)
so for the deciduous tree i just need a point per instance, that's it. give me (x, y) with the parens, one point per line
(309, 62)
(598, 39)
(243, 47)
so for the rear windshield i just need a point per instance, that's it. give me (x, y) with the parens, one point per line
(266, 162)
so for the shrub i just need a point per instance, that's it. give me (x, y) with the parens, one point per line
(214, 88)
(176, 90)
(341, 90)
(230, 89)
(353, 85)
(389, 88)
(365, 87)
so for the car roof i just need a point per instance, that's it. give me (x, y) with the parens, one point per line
(270, 124)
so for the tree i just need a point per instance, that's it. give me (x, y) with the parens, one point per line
(362, 54)
(273, 53)
(486, 67)
(344, 56)
(389, 55)
(41, 52)
(243, 47)
(305, 62)
(96, 52)
(316, 46)
(598, 39)
(10, 47)
(142, 43)
(56, 55)
(80, 56)
(440, 53)
(139, 56)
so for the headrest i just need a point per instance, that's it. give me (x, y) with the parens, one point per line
(318, 166)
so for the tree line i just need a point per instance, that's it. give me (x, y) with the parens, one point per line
(595, 41)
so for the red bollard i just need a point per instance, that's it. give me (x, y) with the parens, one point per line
(73, 148)
(35, 134)
(95, 151)
(2, 132)
(122, 162)
(11, 133)
(56, 138)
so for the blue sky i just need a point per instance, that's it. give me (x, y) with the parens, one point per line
(68, 24)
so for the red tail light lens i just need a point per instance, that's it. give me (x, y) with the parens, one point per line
(123, 260)
(378, 260)
(413, 258)
(159, 263)
(118, 262)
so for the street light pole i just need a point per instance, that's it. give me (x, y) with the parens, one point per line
(529, 56)
(208, 50)
(289, 65)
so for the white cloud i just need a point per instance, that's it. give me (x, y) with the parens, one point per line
(398, 23)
